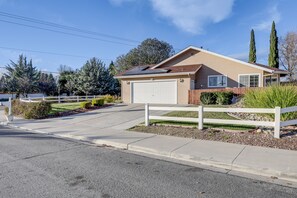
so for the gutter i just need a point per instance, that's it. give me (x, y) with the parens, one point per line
(153, 75)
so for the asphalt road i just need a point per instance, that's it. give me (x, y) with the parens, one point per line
(36, 165)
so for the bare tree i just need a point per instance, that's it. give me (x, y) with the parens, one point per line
(288, 54)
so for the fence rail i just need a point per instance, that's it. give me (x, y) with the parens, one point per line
(60, 99)
(277, 111)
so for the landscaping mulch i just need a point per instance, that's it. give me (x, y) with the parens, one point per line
(288, 139)
(77, 111)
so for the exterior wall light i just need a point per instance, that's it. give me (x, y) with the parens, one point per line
(181, 80)
(128, 82)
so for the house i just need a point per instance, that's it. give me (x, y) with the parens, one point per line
(193, 68)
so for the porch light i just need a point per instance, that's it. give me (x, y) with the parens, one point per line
(128, 82)
(181, 80)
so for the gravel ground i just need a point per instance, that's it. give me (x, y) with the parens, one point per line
(288, 139)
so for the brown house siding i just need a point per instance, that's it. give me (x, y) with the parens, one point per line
(214, 65)
(183, 87)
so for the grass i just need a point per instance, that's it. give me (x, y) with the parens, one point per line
(192, 114)
(213, 115)
(194, 125)
(61, 107)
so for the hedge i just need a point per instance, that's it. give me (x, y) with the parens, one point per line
(30, 110)
(109, 98)
(220, 98)
(85, 105)
(208, 98)
(98, 102)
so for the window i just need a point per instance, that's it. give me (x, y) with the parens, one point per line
(192, 84)
(217, 81)
(249, 80)
(271, 80)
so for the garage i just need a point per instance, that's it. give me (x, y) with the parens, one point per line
(158, 92)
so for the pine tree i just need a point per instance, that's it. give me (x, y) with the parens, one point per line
(273, 59)
(22, 77)
(112, 69)
(252, 54)
(52, 84)
(94, 78)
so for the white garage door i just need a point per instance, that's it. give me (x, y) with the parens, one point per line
(160, 92)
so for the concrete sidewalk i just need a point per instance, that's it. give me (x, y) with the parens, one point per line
(232, 157)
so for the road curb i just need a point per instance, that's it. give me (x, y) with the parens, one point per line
(182, 157)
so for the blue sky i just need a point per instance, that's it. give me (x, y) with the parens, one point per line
(222, 26)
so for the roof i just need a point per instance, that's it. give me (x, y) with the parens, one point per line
(148, 71)
(258, 66)
(268, 67)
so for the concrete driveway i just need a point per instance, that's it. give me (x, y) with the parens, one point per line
(110, 120)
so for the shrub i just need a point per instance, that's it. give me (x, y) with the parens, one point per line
(98, 102)
(109, 98)
(6, 110)
(271, 97)
(32, 110)
(37, 110)
(208, 98)
(85, 105)
(224, 98)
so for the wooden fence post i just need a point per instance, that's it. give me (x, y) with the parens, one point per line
(77, 98)
(277, 120)
(147, 114)
(200, 117)
(59, 99)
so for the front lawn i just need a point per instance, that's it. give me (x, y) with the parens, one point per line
(62, 107)
(192, 114)
(194, 125)
(212, 115)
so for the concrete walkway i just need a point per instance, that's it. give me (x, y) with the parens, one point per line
(108, 127)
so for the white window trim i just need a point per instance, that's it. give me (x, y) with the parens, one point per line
(255, 74)
(217, 76)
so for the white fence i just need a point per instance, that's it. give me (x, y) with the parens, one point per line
(277, 111)
(60, 99)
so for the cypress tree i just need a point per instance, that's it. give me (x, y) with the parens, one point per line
(273, 59)
(252, 54)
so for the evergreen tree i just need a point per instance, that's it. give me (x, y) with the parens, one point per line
(22, 77)
(42, 84)
(252, 54)
(150, 51)
(52, 84)
(273, 59)
(2, 84)
(71, 83)
(115, 87)
(65, 73)
(94, 78)
(112, 69)
(47, 84)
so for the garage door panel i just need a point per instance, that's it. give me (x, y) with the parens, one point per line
(162, 92)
